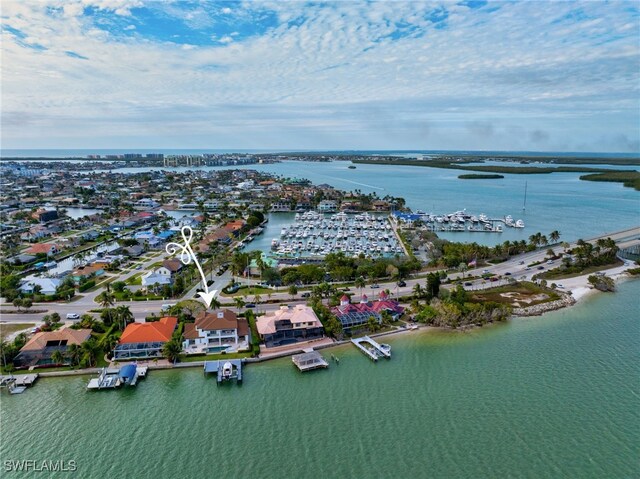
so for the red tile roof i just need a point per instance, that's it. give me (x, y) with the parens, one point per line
(41, 248)
(158, 331)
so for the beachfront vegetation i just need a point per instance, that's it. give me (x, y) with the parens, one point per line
(602, 282)
(458, 309)
(585, 257)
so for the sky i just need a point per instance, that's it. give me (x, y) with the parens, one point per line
(394, 75)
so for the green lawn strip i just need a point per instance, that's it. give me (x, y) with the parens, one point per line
(191, 358)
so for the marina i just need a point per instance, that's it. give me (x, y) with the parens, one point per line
(112, 378)
(309, 360)
(225, 371)
(314, 235)
(460, 221)
(371, 348)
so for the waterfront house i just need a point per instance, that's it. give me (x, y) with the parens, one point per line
(40, 348)
(217, 331)
(327, 206)
(145, 340)
(289, 325)
(352, 315)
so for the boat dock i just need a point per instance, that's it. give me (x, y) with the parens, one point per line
(111, 378)
(309, 360)
(18, 384)
(225, 370)
(371, 348)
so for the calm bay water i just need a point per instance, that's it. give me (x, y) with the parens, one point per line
(549, 397)
(558, 201)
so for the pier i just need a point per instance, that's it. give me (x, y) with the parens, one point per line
(371, 348)
(225, 370)
(309, 360)
(18, 384)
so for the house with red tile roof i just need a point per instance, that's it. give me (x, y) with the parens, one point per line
(43, 248)
(352, 315)
(145, 340)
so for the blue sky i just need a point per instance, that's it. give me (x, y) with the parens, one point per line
(481, 75)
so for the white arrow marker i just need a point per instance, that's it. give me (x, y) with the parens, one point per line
(186, 256)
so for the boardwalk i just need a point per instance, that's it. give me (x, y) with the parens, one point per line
(371, 348)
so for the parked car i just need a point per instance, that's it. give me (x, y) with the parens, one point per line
(468, 283)
(402, 284)
(73, 316)
(485, 271)
(35, 330)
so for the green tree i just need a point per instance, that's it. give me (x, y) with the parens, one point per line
(293, 291)
(57, 357)
(239, 302)
(172, 350)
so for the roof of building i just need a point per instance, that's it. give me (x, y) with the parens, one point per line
(41, 248)
(88, 270)
(172, 265)
(369, 307)
(215, 321)
(300, 313)
(158, 331)
(40, 340)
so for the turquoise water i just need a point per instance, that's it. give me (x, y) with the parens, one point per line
(549, 397)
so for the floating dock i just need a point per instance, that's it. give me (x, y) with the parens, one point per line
(225, 370)
(371, 348)
(309, 360)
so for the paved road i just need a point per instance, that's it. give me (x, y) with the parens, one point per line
(516, 266)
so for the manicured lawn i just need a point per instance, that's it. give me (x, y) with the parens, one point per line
(214, 357)
(136, 279)
(9, 328)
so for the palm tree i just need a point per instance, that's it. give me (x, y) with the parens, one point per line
(73, 351)
(417, 291)
(239, 302)
(57, 357)
(106, 300)
(90, 351)
(554, 236)
(360, 283)
(124, 315)
(172, 350)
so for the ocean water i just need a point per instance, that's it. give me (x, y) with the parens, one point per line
(553, 397)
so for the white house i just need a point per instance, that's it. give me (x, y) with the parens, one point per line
(47, 285)
(215, 332)
(327, 206)
(152, 278)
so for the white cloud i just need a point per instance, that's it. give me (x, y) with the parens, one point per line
(337, 80)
